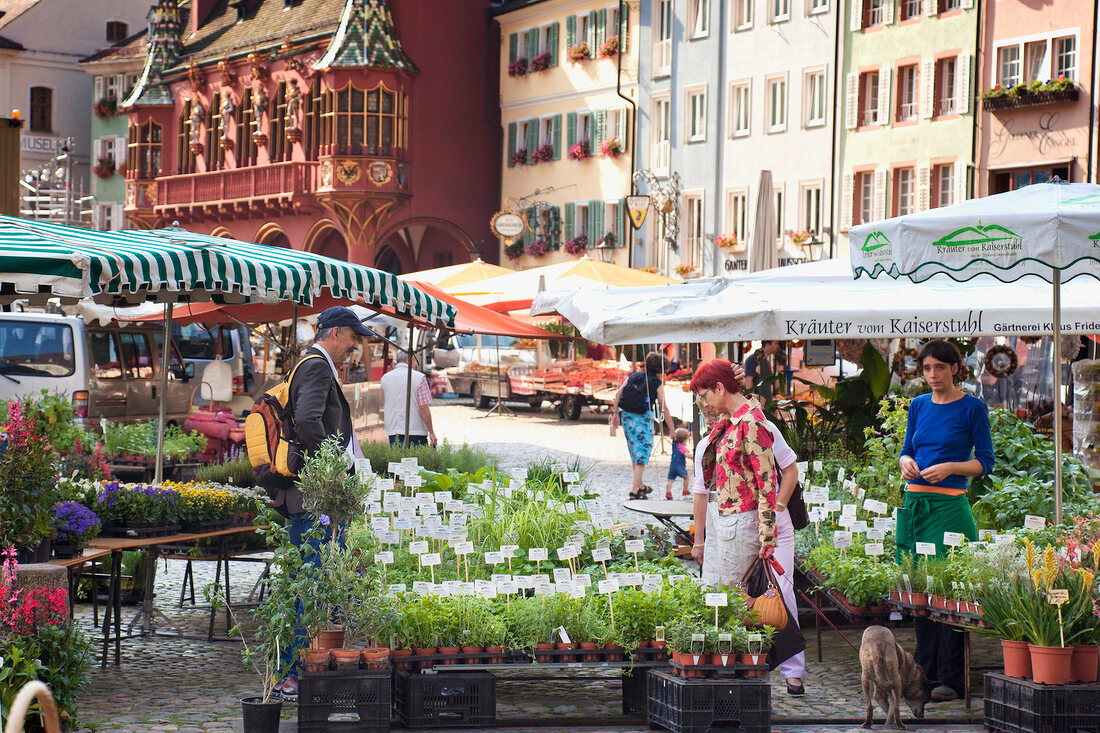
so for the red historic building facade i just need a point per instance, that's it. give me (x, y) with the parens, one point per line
(357, 129)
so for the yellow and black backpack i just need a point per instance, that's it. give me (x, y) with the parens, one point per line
(273, 447)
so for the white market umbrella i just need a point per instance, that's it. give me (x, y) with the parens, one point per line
(763, 254)
(821, 300)
(1050, 230)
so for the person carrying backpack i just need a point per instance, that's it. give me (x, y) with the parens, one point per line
(633, 409)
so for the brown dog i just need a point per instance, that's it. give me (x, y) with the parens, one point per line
(890, 674)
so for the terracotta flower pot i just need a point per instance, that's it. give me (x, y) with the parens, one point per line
(316, 660)
(723, 660)
(754, 660)
(346, 659)
(330, 638)
(563, 647)
(453, 650)
(1083, 666)
(1050, 665)
(401, 658)
(1017, 659)
(658, 644)
(589, 654)
(473, 650)
(544, 647)
(423, 652)
(693, 660)
(895, 595)
(614, 652)
(499, 651)
(377, 657)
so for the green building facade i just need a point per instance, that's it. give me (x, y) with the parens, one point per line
(907, 104)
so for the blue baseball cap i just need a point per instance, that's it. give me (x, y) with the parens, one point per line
(338, 315)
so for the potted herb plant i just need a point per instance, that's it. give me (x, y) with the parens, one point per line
(73, 524)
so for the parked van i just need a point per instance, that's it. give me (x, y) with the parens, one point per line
(108, 371)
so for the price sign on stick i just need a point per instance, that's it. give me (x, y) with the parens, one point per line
(926, 548)
(601, 554)
(1033, 522)
(537, 554)
(431, 559)
(419, 547)
(874, 549)
(634, 547)
(494, 558)
(1058, 596)
(717, 600)
(842, 539)
(952, 539)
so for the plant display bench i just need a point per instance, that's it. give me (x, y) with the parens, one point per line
(1024, 706)
(345, 701)
(699, 705)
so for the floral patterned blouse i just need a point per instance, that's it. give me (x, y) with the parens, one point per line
(741, 469)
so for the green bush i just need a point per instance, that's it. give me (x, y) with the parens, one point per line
(238, 473)
(438, 458)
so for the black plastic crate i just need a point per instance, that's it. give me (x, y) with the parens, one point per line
(345, 701)
(634, 690)
(697, 706)
(1024, 706)
(446, 700)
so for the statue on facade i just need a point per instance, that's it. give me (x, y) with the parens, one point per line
(259, 105)
(227, 109)
(198, 112)
(293, 107)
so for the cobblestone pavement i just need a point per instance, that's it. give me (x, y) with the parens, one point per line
(168, 683)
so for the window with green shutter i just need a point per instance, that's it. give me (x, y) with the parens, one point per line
(601, 30)
(591, 36)
(557, 137)
(511, 144)
(554, 44)
(513, 48)
(567, 232)
(595, 222)
(532, 223)
(600, 128)
(624, 30)
(532, 136)
(622, 224)
(570, 31)
(532, 43)
(571, 130)
(555, 228)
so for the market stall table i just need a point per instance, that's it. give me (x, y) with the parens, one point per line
(116, 546)
(74, 567)
(664, 511)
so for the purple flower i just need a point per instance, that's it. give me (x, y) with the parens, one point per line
(325, 520)
(73, 520)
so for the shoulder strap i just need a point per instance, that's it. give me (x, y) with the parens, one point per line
(303, 360)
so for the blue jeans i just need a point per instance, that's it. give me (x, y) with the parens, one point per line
(413, 439)
(300, 524)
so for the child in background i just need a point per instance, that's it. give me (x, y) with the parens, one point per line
(677, 467)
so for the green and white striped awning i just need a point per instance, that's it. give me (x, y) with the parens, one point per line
(40, 259)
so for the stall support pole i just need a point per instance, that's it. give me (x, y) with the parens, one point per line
(1057, 280)
(166, 350)
(408, 385)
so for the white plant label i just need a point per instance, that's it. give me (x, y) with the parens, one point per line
(508, 587)
(464, 548)
(649, 587)
(607, 586)
(389, 538)
(1033, 522)
(849, 510)
(842, 539)
(399, 587)
(860, 526)
(952, 539)
(410, 463)
(818, 467)
(562, 575)
(833, 505)
(384, 558)
(876, 506)
(803, 467)
(840, 474)
(431, 559)
(1004, 539)
(571, 477)
(874, 549)
(374, 507)
(846, 521)
(422, 587)
(393, 467)
(716, 599)
(1058, 596)
(876, 535)
(926, 548)
(384, 484)
(419, 547)
(414, 481)
(583, 579)
(908, 585)
(403, 523)
(633, 546)
(537, 554)
(632, 579)
(509, 550)
(601, 554)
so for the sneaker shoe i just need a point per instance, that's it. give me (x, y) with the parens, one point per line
(288, 690)
(943, 693)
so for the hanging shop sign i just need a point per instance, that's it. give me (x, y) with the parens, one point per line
(820, 352)
(508, 225)
(638, 206)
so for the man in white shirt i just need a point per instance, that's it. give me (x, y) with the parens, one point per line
(394, 383)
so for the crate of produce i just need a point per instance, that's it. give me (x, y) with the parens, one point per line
(1024, 706)
(345, 701)
(697, 706)
(446, 700)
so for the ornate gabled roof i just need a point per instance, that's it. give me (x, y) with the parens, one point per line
(366, 38)
(164, 49)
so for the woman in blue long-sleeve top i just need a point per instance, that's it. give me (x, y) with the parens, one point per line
(947, 441)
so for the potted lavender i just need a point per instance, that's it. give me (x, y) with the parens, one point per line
(74, 524)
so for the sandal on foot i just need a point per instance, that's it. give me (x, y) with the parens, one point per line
(668, 496)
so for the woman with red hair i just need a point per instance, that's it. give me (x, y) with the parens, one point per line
(739, 471)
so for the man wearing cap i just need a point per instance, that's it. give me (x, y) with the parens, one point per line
(320, 411)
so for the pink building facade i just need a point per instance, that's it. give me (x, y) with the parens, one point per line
(1037, 116)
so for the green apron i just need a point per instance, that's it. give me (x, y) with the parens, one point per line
(926, 516)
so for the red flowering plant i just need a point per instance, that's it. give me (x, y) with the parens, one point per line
(104, 167)
(611, 147)
(28, 479)
(514, 250)
(651, 269)
(24, 610)
(518, 68)
(580, 151)
(609, 239)
(609, 48)
(539, 247)
(577, 246)
(518, 158)
(726, 241)
(105, 107)
(542, 154)
(580, 52)
(541, 62)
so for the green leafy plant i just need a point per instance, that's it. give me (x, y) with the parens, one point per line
(58, 655)
(327, 487)
(437, 459)
(28, 480)
(238, 472)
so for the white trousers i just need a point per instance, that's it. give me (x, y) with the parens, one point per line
(730, 545)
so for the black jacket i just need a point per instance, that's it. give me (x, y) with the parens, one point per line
(320, 410)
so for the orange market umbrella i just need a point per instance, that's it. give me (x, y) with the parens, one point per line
(516, 290)
(457, 275)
